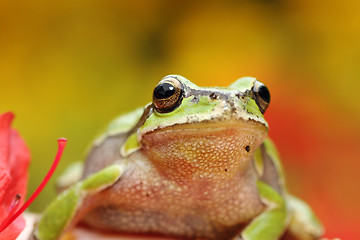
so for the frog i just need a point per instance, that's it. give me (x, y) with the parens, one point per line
(195, 163)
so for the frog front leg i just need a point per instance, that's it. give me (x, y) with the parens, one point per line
(304, 224)
(60, 214)
(270, 224)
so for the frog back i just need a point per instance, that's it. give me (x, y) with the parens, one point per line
(105, 150)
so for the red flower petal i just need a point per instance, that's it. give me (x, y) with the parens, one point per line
(18, 163)
(5, 122)
(14, 161)
(13, 230)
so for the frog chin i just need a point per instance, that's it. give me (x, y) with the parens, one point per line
(206, 150)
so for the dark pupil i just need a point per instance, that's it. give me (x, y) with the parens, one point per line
(264, 93)
(164, 90)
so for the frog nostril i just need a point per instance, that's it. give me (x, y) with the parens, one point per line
(214, 95)
(195, 100)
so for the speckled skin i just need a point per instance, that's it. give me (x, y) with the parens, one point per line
(199, 183)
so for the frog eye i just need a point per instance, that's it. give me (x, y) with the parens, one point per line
(167, 95)
(262, 95)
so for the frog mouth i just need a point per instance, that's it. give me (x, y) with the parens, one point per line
(222, 122)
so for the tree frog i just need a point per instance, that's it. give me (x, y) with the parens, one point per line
(195, 163)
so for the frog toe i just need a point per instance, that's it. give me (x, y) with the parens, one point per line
(304, 223)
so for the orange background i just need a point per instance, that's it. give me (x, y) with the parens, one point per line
(68, 67)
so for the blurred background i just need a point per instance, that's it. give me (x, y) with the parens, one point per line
(68, 67)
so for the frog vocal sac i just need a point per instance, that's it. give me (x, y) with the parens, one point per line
(195, 163)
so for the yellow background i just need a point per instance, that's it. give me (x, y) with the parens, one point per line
(68, 67)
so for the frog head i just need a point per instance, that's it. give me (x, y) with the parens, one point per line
(197, 132)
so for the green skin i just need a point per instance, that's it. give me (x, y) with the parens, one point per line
(280, 212)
